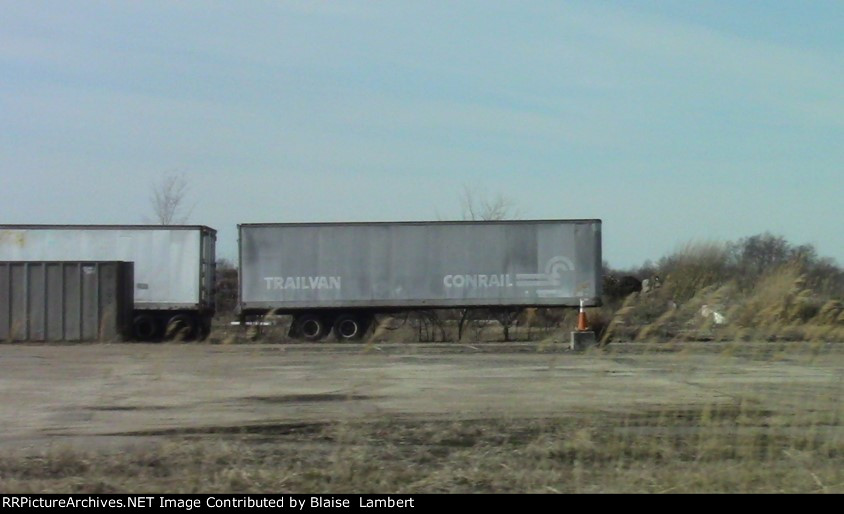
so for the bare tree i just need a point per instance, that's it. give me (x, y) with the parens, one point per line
(168, 200)
(477, 206)
(225, 296)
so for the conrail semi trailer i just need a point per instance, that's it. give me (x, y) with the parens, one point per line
(174, 267)
(336, 276)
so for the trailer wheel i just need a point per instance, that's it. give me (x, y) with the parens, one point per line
(311, 327)
(348, 327)
(181, 327)
(144, 328)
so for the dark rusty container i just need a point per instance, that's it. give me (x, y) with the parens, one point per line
(65, 300)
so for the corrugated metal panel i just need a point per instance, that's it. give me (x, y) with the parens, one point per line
(171, 262)
(65, 301)
(418, 264)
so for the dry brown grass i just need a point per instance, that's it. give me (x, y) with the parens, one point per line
(695, 450)
(779, 437)
(778, 306)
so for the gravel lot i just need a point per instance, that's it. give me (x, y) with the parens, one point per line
(96, 395)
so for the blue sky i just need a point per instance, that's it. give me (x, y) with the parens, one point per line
(672, 121)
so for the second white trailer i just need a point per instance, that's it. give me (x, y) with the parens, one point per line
(174, 266)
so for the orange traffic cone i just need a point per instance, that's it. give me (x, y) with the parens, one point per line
(582, 322)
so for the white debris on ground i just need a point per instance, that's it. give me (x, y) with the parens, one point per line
(717, 317)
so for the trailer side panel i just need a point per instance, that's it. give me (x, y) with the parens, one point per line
(437, 264)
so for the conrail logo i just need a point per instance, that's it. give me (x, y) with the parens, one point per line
(550, 283)
(475, 281)
(313, 282)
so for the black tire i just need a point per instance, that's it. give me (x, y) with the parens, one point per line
(145, 328)
(348, 328)
(181, 327)
(311, 327)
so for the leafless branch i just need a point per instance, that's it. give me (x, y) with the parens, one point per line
(168, 200)
(476, 206)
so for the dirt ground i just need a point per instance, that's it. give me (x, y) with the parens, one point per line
(101, 395)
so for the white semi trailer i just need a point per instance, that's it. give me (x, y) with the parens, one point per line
(336, 276)
(174, 267)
